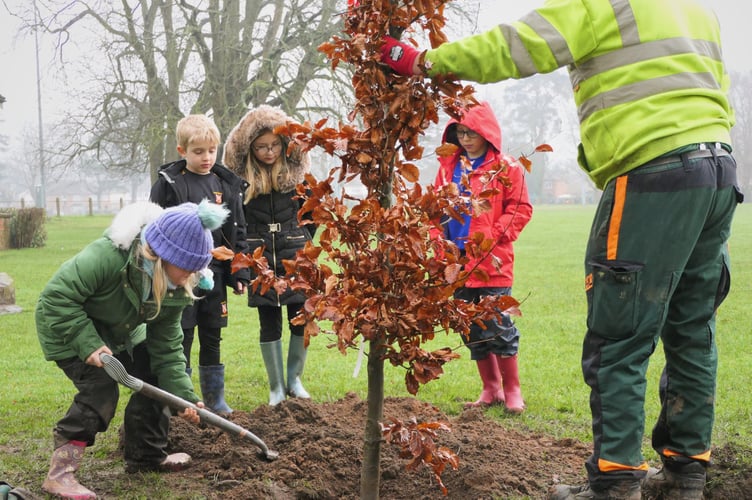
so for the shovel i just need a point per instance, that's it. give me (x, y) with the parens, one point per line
(117, 372)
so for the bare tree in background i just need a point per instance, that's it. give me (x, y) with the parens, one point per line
(142, 65)
(536, 111)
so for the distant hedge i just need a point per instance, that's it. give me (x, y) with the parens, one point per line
(27, 228)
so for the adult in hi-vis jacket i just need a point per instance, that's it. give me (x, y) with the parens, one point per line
(651, 93)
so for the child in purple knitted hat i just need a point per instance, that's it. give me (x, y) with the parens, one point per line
(124, 295)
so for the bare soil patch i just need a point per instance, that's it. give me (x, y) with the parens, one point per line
(320, 449)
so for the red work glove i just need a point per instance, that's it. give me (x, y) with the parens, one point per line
(399, 56)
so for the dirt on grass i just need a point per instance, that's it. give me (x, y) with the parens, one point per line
(320, 449)
(320, 452)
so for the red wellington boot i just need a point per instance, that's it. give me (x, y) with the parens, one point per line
(489, 375)
(511, 377)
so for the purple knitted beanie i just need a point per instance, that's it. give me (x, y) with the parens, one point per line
(182, 236)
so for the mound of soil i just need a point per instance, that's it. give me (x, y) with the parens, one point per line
(320, 449)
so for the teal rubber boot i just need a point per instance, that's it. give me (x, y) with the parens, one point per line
(296, 358)
(272, 354)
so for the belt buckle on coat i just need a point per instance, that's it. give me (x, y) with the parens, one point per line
(275, 228)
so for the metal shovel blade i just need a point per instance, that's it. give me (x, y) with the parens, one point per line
(117, 372)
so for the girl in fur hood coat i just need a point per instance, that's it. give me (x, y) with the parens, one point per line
(255, 153)
(124, 295)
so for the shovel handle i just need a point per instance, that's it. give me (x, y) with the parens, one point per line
(117, 371)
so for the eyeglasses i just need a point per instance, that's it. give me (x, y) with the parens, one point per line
(467, 133)
(272, 148)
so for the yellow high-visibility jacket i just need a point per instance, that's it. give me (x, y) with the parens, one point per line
(647, 75)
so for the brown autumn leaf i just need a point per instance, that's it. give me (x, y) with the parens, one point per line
(526, 163)
(222, 253)
(544, 148)
(447, 149)
(410, 172)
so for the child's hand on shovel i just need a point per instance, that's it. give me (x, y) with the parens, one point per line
(93, 358)
(190, 414)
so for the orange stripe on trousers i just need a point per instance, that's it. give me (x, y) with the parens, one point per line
(620, 193)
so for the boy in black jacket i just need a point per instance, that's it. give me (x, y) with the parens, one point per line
(194, 178)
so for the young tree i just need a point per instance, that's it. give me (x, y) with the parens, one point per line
(394, 280)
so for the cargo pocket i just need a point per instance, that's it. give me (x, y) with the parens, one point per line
(724, 284)
(613, 297)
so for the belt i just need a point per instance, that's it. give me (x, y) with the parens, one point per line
(704, 150)
(271, 228)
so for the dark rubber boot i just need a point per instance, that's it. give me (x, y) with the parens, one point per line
(212, 381)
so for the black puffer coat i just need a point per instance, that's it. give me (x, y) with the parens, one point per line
(170, 190)
(272, 219)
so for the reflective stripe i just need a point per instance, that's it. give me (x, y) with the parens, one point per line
(607, 466)
(626, 21)
(633, 51)
(704, 456)
(614, 224)
(518, 51)
(556, 42)
(644, 52)
(646, 88)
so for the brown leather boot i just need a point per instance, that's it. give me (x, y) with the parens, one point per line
(60, 480)
(676, 481)
(620, 490)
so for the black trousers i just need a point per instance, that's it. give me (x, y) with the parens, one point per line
(146, 421)
(270, 320)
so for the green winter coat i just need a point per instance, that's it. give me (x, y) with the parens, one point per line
(97, 297)
(647, 76)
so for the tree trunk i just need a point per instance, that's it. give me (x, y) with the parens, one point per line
(370, 472)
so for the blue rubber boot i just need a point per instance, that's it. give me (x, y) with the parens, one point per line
(212, 380)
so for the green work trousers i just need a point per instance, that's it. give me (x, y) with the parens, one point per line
(656, 268)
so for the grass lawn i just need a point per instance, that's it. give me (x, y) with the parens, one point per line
(549, 281)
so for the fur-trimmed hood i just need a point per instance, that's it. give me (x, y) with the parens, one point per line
(129, 222)
(256, 122)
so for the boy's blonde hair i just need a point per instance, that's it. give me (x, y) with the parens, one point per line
(193, 128)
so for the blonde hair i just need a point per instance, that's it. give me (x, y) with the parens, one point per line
(159, 279)
(263, 179)
(194, 128)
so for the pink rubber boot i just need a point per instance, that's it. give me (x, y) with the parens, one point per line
(60, 480)
(511, 377)
(489, 375)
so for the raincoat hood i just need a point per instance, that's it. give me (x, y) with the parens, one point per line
(480, 119)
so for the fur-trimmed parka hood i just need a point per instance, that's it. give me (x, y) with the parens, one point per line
(130, 220)
(256, 122)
